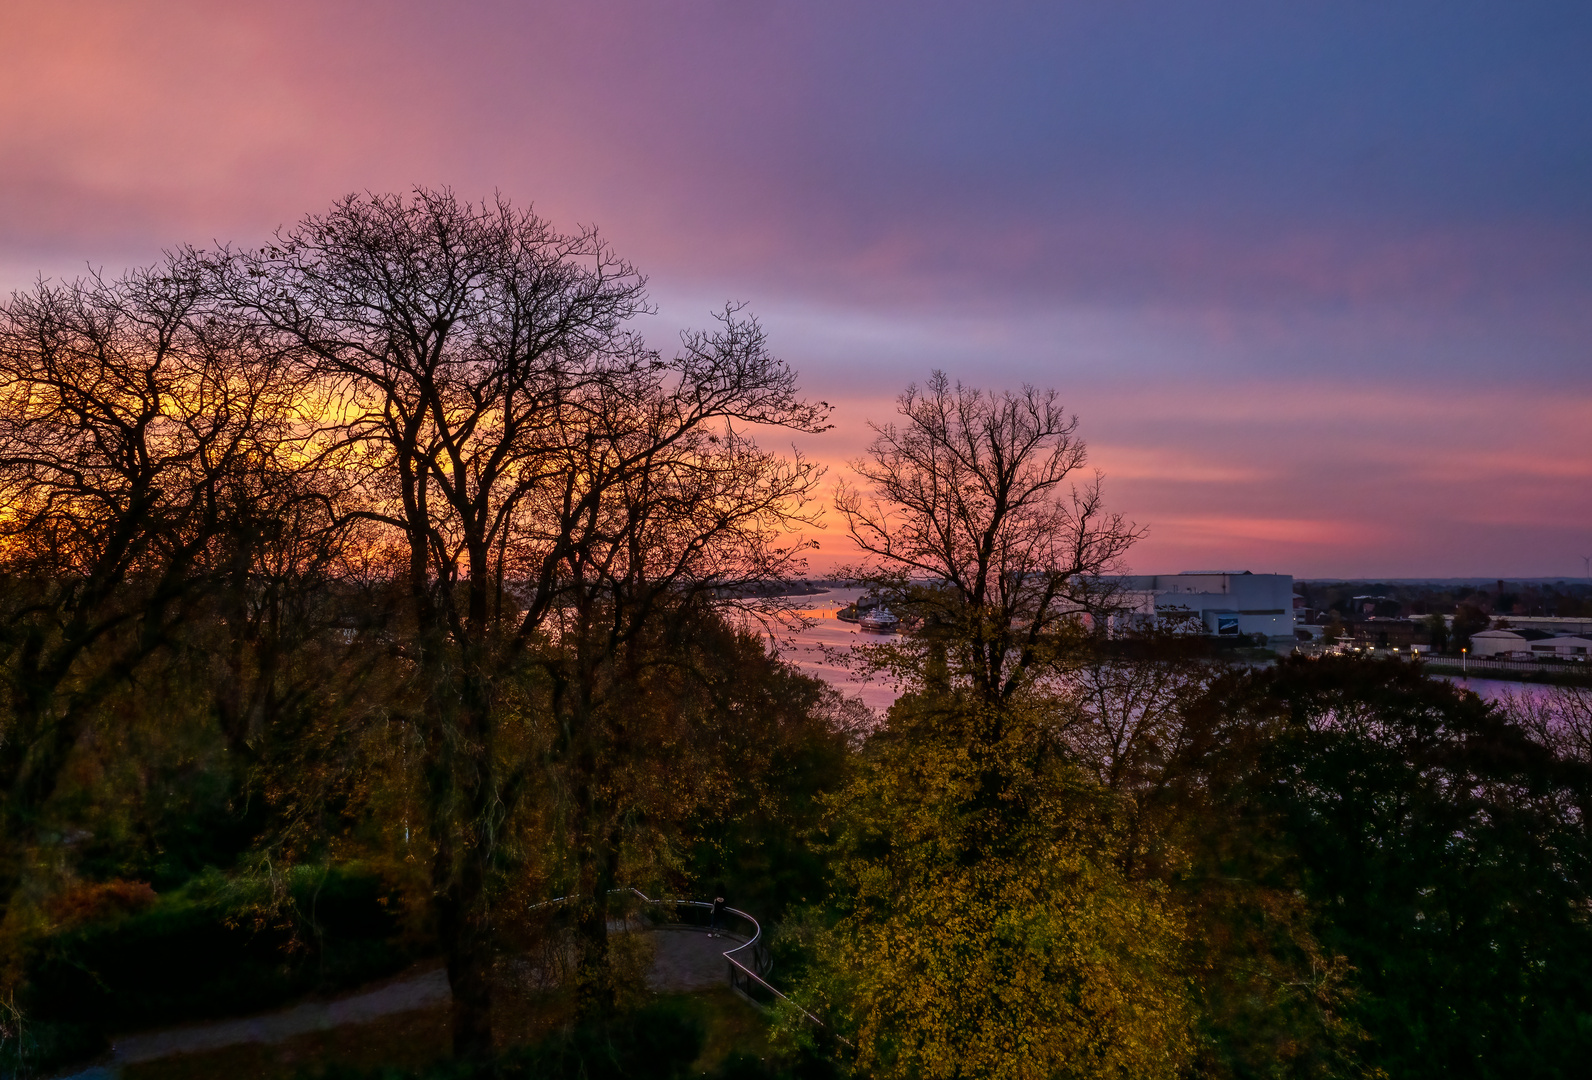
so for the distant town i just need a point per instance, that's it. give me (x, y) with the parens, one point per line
(1514, 619)
(1535, 625)
(1504, 625)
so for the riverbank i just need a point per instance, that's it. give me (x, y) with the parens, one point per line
(1508, 671)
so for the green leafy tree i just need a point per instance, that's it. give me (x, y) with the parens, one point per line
(986, 927)
(995, 940)
(1442, 853)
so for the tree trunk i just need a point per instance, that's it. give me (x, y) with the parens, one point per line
(594, 987)
(467, 946)
(460, 784)
(594, 980)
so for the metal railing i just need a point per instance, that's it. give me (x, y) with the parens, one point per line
(748, 961)
(1546, 666)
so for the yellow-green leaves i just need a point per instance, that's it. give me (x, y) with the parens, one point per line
(986, 930)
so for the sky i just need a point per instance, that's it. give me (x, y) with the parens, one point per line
(1315, 277)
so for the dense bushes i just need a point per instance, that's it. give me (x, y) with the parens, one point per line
(218, 946)
(1377, 875)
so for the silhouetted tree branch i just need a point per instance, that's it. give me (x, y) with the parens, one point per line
(972, 493)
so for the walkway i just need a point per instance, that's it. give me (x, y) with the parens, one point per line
(424, 991)
(684, 960)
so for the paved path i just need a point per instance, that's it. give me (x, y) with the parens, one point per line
(684, 960)
(421, 991)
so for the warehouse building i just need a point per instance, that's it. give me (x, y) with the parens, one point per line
(1220, 603)
(1529, 644)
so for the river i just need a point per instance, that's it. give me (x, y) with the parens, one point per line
(821, 647)
(1496, 689)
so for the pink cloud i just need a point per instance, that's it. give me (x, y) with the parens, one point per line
(1322, 389)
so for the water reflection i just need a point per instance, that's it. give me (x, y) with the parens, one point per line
(822, 647)
(1497, 689)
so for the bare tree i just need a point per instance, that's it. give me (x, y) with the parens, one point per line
(975, 493)
(147, 445)
(690, 514)
(454, 341)
(491, 397)
(1558, 717)
(1125, 716)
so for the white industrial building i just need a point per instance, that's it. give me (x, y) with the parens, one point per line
(1529, 645)
(1574, 626)
(1224, 604)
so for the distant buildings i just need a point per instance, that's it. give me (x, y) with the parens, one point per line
(1546, 624)
(1529, 644)
(1405, 619)
(1381, 633)
(1245, 605)
(1223, 604)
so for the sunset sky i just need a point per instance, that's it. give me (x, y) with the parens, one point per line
(1316, 277)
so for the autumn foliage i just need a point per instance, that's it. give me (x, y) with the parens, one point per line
(383, 593)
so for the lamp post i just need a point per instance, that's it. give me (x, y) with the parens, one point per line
(1464, 662)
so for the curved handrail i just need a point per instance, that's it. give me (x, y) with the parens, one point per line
(729, 954)
(747, 976)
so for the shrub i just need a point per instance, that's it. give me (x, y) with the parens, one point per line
(215, 947)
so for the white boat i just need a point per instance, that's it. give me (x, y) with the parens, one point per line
(878, 620)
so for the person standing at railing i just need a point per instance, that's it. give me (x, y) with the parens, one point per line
(718, 911)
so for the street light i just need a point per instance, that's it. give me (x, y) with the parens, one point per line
(1464, 661)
